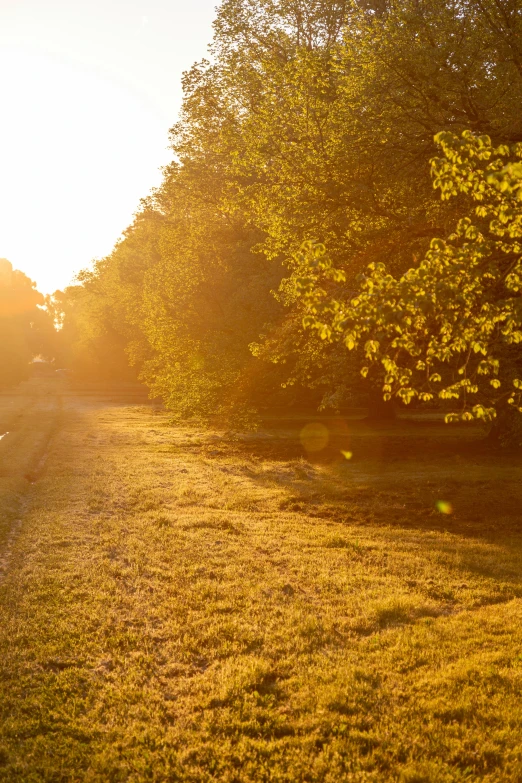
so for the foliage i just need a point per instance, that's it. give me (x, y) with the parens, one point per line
(328, 126)
(86, 341)
(26, 329)
(450, 327)
(180, 297)
(308, 122)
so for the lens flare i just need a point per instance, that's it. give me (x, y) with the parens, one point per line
(347, 454)
(314, 437)
(444, 507)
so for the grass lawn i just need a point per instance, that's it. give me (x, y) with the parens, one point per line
(176, 606)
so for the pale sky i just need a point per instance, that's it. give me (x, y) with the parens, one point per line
(88, 91)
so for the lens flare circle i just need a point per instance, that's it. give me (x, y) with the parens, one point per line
(444, 507)
(314, 437)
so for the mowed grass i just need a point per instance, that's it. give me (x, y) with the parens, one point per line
(180, 606)
(28, 420)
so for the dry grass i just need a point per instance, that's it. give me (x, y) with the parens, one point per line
(183, 607)
(28, 420)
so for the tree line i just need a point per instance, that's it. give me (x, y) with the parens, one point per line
(340, 221)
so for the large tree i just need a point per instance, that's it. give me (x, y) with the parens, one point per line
(26, 329)
(332, 132)
(310, 121)
(450, 328)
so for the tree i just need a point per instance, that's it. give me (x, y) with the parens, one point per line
(449, 328)
(86, 341)
(26, 329)
(310, 121)
(332, 131)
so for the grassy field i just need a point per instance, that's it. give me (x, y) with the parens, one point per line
(178, 606)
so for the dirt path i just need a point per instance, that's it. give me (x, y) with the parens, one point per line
(181, 608)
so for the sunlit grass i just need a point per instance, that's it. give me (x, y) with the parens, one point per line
(183, 607)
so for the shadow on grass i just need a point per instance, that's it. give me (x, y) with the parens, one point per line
(409, 473)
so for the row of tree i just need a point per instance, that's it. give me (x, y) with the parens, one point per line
(315, 122)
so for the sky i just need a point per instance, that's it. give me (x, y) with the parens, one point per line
(88, 92)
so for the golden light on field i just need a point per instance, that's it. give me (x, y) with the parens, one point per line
(314, 437)
(197, 361)
(89, 92)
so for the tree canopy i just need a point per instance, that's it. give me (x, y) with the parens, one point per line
(315, 122)
(26, 329)
(448, 328)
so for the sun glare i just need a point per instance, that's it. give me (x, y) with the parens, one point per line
(68, 188)
(92, 91)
